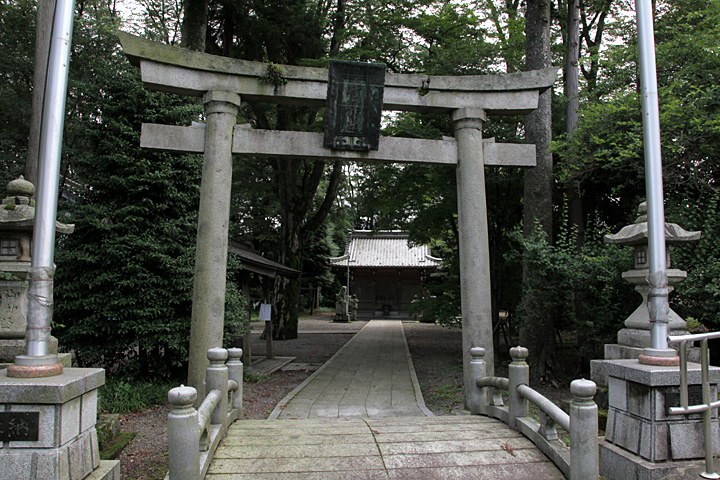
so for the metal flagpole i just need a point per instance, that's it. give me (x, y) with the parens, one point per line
(39, 362)
(659, 352)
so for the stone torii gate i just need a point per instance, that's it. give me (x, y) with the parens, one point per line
(222, 82)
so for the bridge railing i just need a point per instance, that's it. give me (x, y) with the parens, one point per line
(707, 405)
(193, 435)
(578, 462)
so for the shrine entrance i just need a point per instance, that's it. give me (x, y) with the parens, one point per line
(223, 83)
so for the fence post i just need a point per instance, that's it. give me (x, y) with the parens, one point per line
(216, 377)
(235, 372)
(518, 374)
(584, 460)
(183, 435)
(477, 397)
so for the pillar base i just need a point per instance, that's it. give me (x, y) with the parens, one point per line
(58, 440)
(659, 361)
(619, 464)
(642, 440)
(35, 367)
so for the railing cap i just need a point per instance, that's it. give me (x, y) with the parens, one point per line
(477, 352)
(235, 353)
(519, 354)
(582, 389)
(217, 355)
(182, 395)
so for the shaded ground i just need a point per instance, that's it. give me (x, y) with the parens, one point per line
(436, 352)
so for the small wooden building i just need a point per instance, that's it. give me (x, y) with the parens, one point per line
(386, 273)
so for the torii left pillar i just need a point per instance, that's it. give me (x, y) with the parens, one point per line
(208, 310)
(474, 246)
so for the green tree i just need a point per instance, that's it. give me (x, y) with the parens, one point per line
(538, 187)
(124, 278)
(123, 285)
(17, 21)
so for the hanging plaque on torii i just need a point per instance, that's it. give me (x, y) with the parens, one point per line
(354, 105)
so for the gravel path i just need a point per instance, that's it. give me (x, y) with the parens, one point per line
(436, 352)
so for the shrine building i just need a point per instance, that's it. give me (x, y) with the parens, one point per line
(386, 273)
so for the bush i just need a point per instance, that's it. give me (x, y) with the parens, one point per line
(583, 288)
(118, 396)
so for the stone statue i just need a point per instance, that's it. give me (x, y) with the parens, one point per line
(353, 307)
(341, 306)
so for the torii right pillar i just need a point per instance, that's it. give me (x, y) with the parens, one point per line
(475, 290)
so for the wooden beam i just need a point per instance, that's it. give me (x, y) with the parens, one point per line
(273, 143)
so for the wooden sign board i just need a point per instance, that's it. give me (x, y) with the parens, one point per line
(354, 105)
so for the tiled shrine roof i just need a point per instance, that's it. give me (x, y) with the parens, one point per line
(382, 249)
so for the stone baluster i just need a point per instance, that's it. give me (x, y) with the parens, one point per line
(183, 435)
(584, 459)
(478, 399)
(216, 377)
(235, 372)
(518, 374)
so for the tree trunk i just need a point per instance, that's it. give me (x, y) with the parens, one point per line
(537, 329)
(538, 180)
(338, 28)
(297, 222)
(595, 23)
(43, 30)
(286, 291)
(572, 95)
(194, 26)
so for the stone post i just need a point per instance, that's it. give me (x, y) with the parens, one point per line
(183, 435)
(518, 374)
(235, 372)
(208, 310)
(474, 245)
(477, 400)
(584, 459)
(217, 378)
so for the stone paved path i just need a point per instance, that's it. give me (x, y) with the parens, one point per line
(361, 416)
(371, 376)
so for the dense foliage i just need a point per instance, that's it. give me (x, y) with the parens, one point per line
(608, 166)
(124, 279)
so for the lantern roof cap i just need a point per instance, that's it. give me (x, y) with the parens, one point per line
(17, 210)
(637, 233)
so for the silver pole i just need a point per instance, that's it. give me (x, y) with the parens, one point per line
(43, 249)
(658, 296)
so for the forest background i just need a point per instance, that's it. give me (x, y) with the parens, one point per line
(124, 279)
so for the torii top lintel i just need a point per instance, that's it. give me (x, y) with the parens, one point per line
(185, 72)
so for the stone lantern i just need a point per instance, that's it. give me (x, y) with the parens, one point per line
(17, 216)
(636, 334)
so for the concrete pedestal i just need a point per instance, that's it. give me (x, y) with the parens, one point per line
(641, 440)
(631, 344)
(47, 427)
